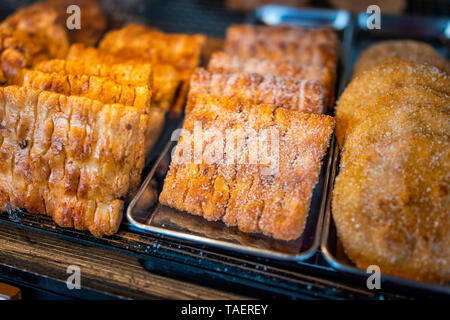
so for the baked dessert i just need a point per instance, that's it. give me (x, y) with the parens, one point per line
(316, 47)
(166, 80)
(390, 202)
(48, 18)
(106, 91)
(98, 88)
(419, 95)
(130, 74)
(146, 44)
(305, 37)
(391, 50)
(68, 157)
(381, 79)
(299, 95)
(269, 194)
(223, 62)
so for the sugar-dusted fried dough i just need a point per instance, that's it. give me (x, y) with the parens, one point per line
(299, 95)
(223, 62)
(317, 54)
(265, 192)
(418, 95)
(131, 74)
(304, 46)
(305, 37)
(97, 88)
(143, 43)
(381, 79)
(390, 202)
(67, 157)
(410, 50)
(166, 80)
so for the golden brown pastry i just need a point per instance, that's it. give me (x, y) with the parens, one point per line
(42, 21)
(391, 50)
(166, 80)
(269, 194)
(19, 49)
(93, 87)
(223, 62)
(146, 44)
(381, 79)
(290, 93)
(304, 46)
(49, 18)
(130, 74)
(104, 90)
(399, 96)
(390, 202)
(67, 157)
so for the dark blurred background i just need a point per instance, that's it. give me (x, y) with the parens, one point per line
(213, 16)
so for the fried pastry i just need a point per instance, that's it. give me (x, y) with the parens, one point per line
(404, 95)
(316, 47)
(98, 88)
(130, 74)
(265, 189)
(223, 62)
(388, 51)
(390, 202)
(49, 18)
(381, 79)
(67, 157)
(140, 42)
(166, 80)
(103, 90)
(19, 49)
(304, 36)
(299, 95)
(41, 21)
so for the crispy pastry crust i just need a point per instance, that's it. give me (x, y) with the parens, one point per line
(410, 50)
(299, 95)
(93, 87)
(166, 80)
(317, 47)
(223, 62)
(67, 157)
(130, 74)
(242, 193)
(19, 49)
(414, 95)
(390, 202)
(381, 79)
(140, 42)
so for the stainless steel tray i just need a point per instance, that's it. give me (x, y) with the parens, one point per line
(434, 32)
(146, 214)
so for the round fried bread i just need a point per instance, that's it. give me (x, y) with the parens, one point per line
(396, 97)
(387, 51)
(391, 199)
(381, 79)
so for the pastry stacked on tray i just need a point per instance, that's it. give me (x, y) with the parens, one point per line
(391, 198)
(77, 123)
(255, 135)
